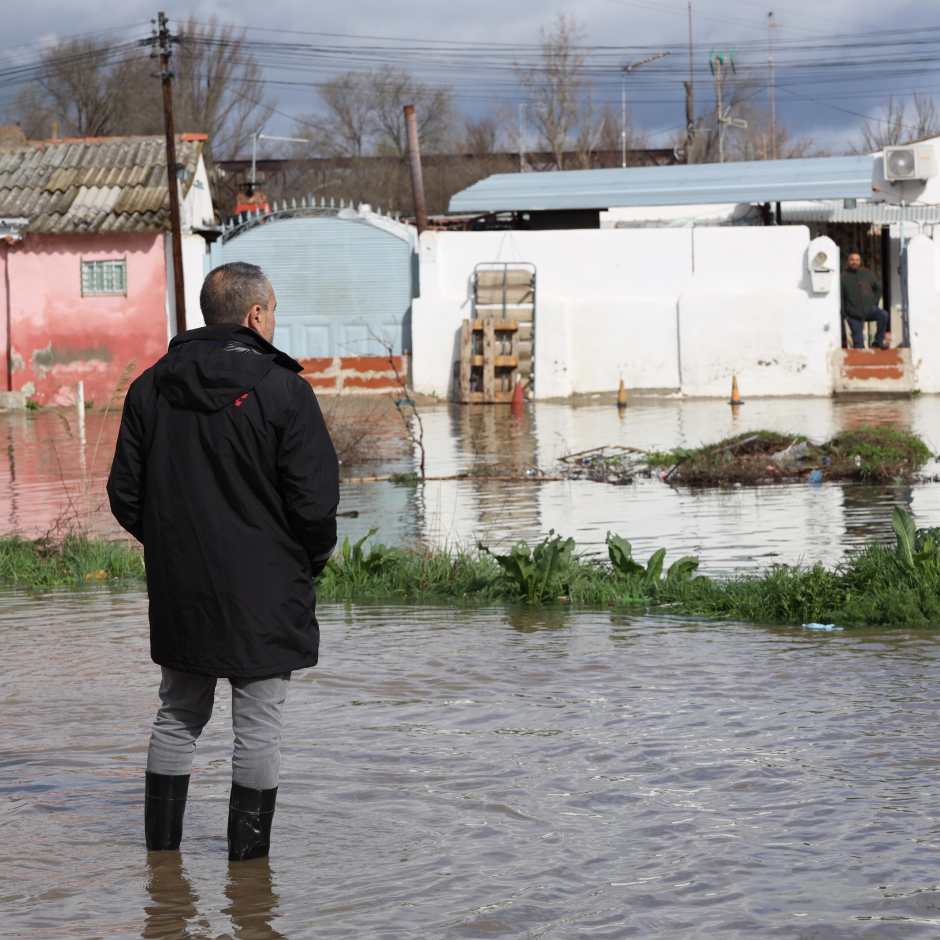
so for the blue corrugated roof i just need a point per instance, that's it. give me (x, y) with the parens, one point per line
(695, 184)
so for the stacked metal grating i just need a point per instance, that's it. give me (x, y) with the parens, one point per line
(93, 184)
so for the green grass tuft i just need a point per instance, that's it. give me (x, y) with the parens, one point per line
(40, 564)
(867, 454)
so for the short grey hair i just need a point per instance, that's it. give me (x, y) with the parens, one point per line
(231, 290)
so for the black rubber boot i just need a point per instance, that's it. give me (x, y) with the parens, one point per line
(250, 813)
(164, 804)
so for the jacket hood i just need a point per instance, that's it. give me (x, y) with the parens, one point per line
(208, 368)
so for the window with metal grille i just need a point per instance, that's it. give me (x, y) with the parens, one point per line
(104, 277)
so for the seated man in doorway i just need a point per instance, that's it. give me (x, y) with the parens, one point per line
(861, 298)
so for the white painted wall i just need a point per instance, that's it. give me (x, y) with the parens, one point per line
(607, 294)
(661, 308)
(923, 262)
(196, 209)
(749, 312)
(194, 255)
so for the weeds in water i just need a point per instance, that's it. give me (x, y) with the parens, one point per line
(353, 563)
(620, 553)
(881, 586)
(406, 479)
(878, 454)
(537, 574)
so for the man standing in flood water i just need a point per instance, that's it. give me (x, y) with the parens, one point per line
(226, 473)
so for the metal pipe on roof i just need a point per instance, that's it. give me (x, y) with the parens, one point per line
(417, 180)
(164, 39)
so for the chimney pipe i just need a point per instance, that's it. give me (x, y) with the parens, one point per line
(414, 158)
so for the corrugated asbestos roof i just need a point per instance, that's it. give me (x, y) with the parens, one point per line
(694, 184)
(103, 184)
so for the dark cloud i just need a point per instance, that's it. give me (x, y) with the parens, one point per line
(719, 24)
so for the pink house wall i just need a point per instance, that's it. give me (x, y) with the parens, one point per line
(60, 337)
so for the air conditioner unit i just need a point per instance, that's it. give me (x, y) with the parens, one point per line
(915, 162)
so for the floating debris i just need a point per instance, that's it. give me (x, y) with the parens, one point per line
(613, 464)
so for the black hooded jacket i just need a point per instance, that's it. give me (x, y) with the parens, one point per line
(225, 470)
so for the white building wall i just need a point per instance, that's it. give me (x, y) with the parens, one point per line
(660, 308)
(195, 211)
(923, 264)
(749, 311)
(194, 255)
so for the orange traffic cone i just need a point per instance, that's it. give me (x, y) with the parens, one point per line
(735, 394)
(518, 399)
(622, 395)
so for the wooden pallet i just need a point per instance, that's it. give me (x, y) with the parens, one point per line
(506, 291)
(488, 366)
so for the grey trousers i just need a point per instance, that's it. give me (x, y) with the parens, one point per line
(257, 720)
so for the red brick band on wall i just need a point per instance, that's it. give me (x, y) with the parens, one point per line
(358, 374)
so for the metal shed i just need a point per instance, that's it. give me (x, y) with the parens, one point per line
(344, 280)
(757, 181)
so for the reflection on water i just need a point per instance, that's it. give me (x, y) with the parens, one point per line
(252, 901)
(50, 475)
(487, 773)
(172, 904)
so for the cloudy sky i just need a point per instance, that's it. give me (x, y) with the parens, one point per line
(837, 60)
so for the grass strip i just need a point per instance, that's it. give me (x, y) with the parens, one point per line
(41, 564)
(880, 586)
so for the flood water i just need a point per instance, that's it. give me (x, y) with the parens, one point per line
(487, 774)
(496, 773)
(48, 474)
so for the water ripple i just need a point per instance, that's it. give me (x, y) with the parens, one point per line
(469, 774)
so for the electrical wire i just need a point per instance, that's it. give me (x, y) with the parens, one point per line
(480, 73)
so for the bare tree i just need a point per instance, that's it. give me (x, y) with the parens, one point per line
(608, 131)
(348, 125)
(32, 111)
(219, 87)
(480, 136)
(557, 88)
(900, 123)
(392, 89)
(76, 88)
(89, 89)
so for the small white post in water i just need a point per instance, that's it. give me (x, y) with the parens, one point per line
(80, 406)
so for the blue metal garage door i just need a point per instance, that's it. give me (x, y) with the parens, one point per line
(344, 285)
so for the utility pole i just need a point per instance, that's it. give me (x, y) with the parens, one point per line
(521, 136)
(772, 24)
(690, 94)
(627, 69)
(162, 41)
(717, 62)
